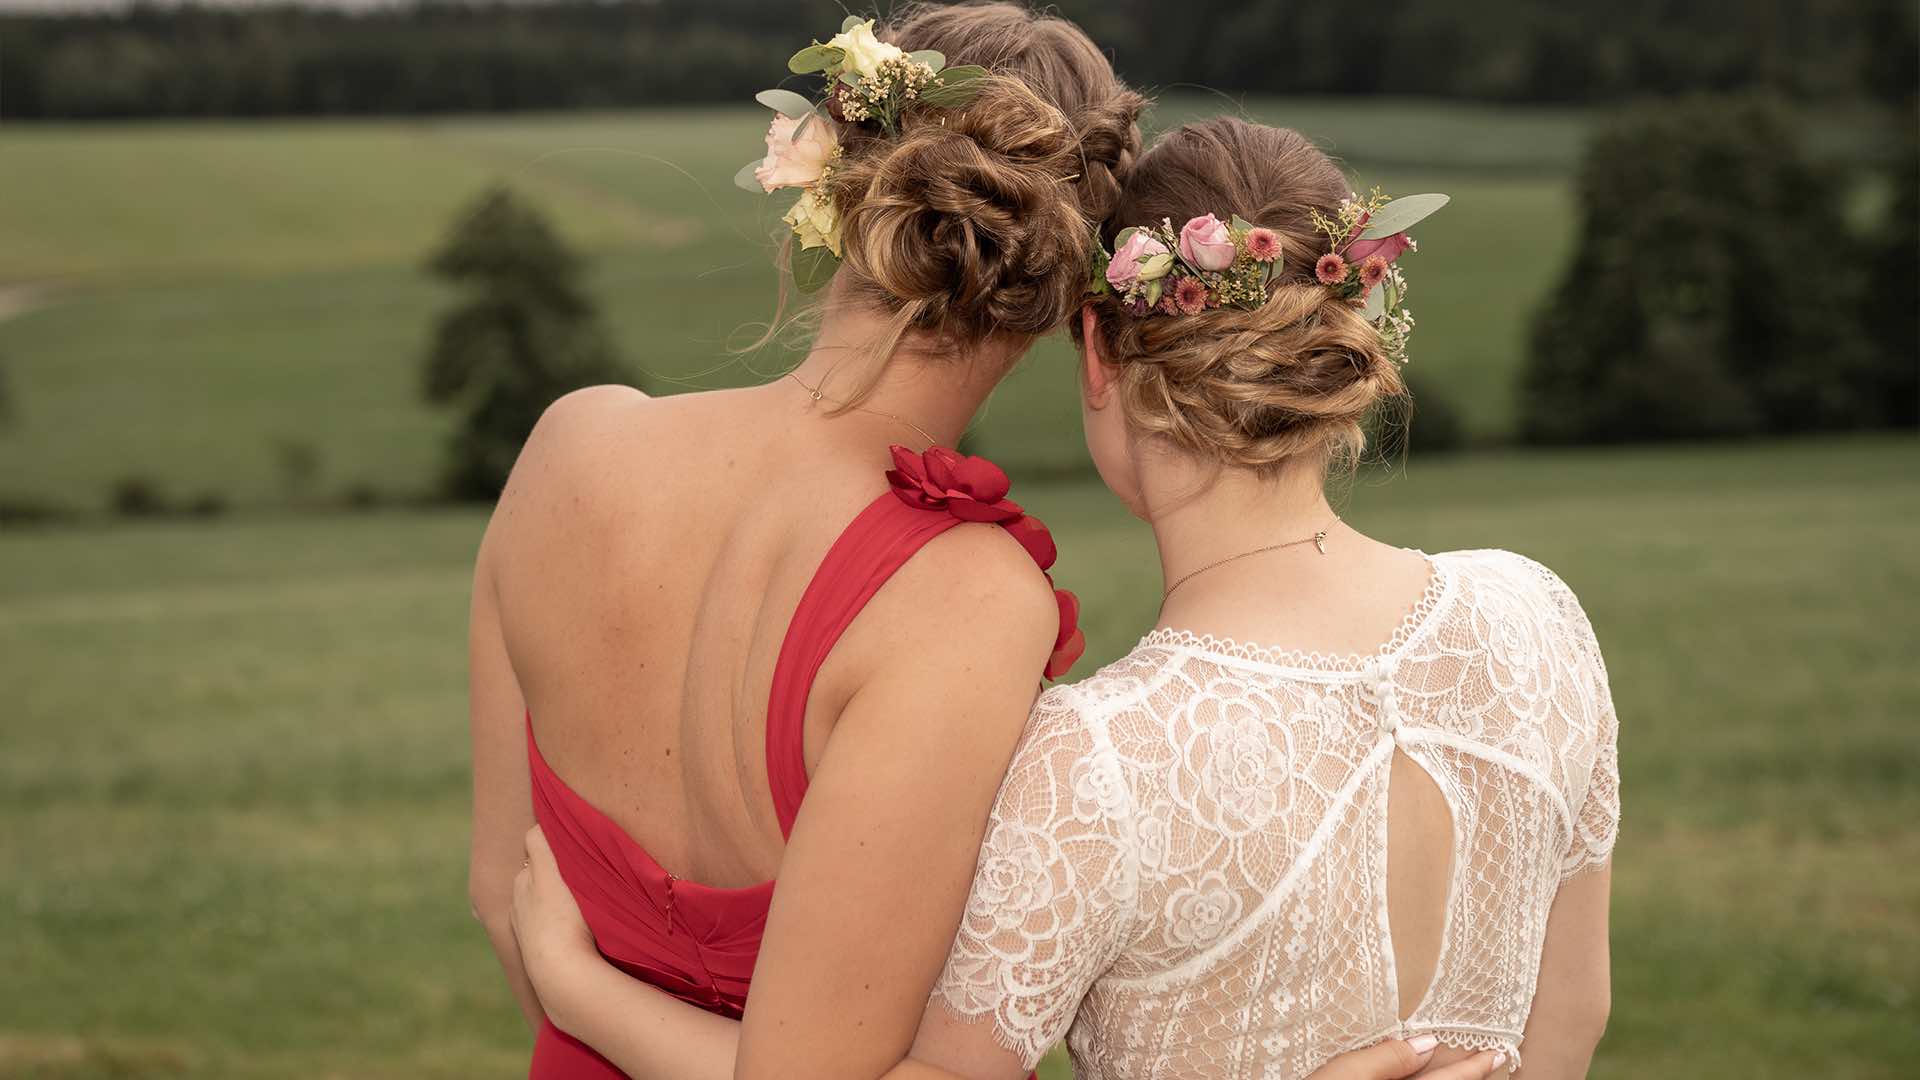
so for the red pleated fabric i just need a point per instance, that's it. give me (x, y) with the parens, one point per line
(694, 941)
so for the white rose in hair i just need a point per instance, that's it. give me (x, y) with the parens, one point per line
(865, 53)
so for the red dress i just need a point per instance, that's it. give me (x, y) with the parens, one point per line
(697, 942)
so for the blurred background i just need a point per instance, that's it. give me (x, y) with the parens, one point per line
(282, 288)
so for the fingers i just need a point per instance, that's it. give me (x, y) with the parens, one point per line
(536, 843)
(1478, 1067)
(1397, 1058)
(1388, 1060)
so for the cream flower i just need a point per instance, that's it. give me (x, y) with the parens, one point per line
(1099, 788)
(796, 163)
(815, 221)
(864, 52)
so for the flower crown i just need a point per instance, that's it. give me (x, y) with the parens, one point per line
(1210, 263)
(868, 82)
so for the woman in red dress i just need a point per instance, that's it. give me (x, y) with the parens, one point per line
(689, 612)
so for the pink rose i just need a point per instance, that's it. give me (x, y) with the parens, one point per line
(1125, 267)
(1387, 247)
(1206, 243)
(791, 163)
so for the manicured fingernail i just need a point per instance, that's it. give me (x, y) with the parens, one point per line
(1499, 1060)
(1423, 1044)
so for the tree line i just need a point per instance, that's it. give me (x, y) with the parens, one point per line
(490, 56)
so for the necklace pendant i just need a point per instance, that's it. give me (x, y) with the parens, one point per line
(1320, 541)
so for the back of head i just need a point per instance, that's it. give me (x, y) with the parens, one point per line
(976, 222)
(1247, 388)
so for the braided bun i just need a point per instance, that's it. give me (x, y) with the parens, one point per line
(1056, 60)
(1300, 374)
(978, 222)
(966, 219)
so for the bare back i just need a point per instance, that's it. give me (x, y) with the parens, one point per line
(646, 558)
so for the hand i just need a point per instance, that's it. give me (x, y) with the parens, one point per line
(1398, 1058)
(547, 924)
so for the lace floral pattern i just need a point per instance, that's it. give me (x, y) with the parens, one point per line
(1186, 870)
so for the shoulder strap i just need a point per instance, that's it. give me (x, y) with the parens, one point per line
(878, 542)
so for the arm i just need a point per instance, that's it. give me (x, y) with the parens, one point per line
(651, 1034)
(883, 851)
(645, 1032)
(502, 788)
(1574, 994)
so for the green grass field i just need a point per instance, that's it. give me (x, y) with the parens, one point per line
(234, 779)
(260, 284)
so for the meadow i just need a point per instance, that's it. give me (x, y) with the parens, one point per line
(221, 292)
(234, 784)
(233, 775)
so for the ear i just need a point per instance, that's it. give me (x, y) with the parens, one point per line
(1096, 375)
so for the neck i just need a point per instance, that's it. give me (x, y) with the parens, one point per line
(922, 384)
(1202, 513)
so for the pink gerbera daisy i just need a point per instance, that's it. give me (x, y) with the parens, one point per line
(1331, 269)
(1263, 245)
(1372, 270)
(1190, 295)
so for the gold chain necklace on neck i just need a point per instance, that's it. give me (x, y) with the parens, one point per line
(1318, 540)
(815, 394)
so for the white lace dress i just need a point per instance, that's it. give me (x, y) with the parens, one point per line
(1185, 872)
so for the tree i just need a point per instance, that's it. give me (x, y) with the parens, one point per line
(525, 334)
(1712, 288)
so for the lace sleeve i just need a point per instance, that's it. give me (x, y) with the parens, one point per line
(1054, 889)
(1597, 820)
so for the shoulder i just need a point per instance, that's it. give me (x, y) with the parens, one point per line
(1516, 574)
(976, 582)
(571, 429)
(584, 411)
(1500, 582)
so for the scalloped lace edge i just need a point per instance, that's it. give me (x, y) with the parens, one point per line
(1410, 624)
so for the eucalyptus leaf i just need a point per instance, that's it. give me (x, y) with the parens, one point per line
(815, 58)
(813, 267)
(1120, 241)
(964, 73)
(785, 102)
(1241, 225)
(850, 78)
(1097, 278)
(746, 181)
(1402, 214)
(933, 58)
(800, 129)
(850, 22)
(1376, 303)
(948, 97)
(1154, 289)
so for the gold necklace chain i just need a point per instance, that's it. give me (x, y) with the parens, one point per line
(816, 395)
(1318, 540)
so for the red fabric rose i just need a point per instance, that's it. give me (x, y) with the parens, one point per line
(975, 489)
(969, 488)
(1069, 643)
(1035, 538)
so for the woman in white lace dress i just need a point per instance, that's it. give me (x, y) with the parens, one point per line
(1391, 817)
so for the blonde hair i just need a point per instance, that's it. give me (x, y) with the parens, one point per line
(976, 224)
(1298, 375)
